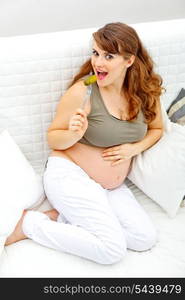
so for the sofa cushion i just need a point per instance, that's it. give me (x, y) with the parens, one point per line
(160, 170)
(20, 188)
(176, 111)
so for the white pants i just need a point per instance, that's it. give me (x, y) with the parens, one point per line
(94, 223)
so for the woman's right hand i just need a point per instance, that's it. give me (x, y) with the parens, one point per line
(78, 122)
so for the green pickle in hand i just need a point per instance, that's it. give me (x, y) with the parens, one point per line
(90, 80)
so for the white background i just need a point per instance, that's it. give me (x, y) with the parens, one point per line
(19, 17)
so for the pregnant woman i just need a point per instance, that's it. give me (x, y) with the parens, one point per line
(95, 215)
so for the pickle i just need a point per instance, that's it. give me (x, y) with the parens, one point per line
(90, 80)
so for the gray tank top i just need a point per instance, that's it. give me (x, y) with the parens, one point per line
(105, 130)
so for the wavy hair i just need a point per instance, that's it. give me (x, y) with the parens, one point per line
(142, 86)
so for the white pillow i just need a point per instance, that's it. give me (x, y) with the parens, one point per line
(20, 186)
(160, 170)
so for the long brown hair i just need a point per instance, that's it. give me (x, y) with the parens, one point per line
(142, 86)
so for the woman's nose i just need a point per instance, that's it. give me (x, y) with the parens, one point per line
(99, 61)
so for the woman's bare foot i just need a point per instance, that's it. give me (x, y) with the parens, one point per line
(17, 234)
(52, 214)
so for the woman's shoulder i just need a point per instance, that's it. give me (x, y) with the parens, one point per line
(77, 85)
(77, 89)
(74, 95)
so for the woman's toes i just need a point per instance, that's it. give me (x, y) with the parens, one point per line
(17, 234)
(52, 214)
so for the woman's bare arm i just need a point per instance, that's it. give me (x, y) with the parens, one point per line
(60, 135)
(154, 133)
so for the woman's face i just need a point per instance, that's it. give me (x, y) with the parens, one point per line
(109, 68)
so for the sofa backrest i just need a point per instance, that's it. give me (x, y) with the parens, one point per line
(35, 71)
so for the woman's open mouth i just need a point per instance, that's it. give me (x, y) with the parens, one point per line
(101, 75)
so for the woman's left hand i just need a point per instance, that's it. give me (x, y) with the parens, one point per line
(119, 154)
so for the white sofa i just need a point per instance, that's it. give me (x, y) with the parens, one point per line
(35, 71)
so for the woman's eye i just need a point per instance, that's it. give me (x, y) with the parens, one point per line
(109, 56)
(94, 52)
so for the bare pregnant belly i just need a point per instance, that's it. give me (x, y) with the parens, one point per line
(90, 160)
